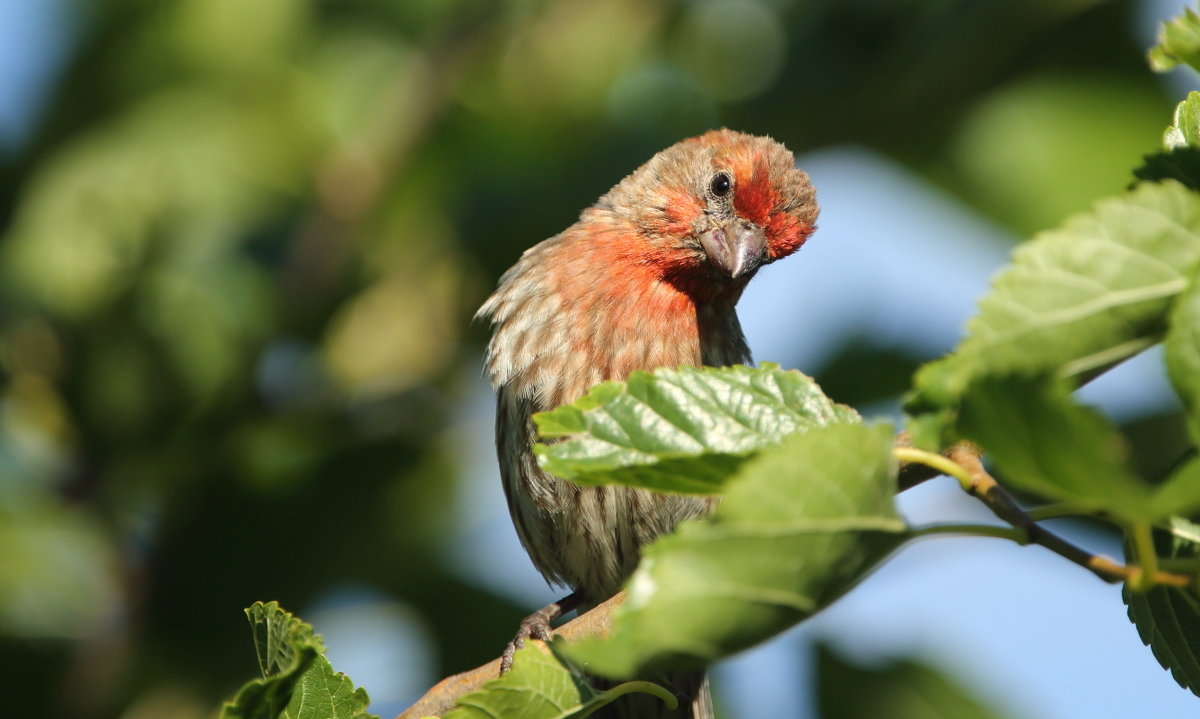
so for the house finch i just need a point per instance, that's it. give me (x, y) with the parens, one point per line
(647, 277)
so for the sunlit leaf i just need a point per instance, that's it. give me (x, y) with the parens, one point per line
(800, 525)
(1180, 157)
(1078, 299)
(1178, 42)
(680, 430)
(1184, 130)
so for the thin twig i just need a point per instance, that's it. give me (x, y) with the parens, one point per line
(963, 462)
(1063, 510)
(984, 487)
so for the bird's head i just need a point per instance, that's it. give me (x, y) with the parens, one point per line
(710, 210)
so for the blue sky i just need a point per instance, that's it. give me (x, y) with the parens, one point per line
(34, 37)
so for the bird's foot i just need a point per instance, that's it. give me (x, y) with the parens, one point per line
(537, 626)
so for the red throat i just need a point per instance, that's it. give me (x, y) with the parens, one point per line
(624, 315)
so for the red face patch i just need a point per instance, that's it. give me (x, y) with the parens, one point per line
(756, 200)
(785, 234)
(753, 196)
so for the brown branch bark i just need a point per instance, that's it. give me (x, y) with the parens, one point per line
(440, 699)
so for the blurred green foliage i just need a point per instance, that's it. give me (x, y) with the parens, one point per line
(241, 251)
(899, 689)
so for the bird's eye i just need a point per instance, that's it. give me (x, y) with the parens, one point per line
(721, 184)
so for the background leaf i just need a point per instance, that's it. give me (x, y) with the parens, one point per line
(799, 525)
(897, 690)
(1168, 619)
(56, 578)
(680, 430)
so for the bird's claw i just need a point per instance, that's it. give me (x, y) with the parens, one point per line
(535, 626)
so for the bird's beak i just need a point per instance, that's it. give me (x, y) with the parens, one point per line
(736, 246)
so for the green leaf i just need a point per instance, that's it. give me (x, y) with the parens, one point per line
(898, 690)
(298, 681)
(1184, 130)
(1178, 42)
(541, 686)
(1182, 355)
(680, 430)
(1180, 157)
(802, 524)
(1045, 443)
(1168, 619)
(1181, 164)
(281, 640)
(1075, 300)
(1180, 494)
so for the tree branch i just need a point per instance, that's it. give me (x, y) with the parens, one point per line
(967, 467)
(440, 699)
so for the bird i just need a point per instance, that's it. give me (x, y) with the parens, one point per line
(649, 276)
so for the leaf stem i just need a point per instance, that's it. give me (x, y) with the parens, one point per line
(1143, 551)
(941, 463)
(974, 530)
(1122, 572)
